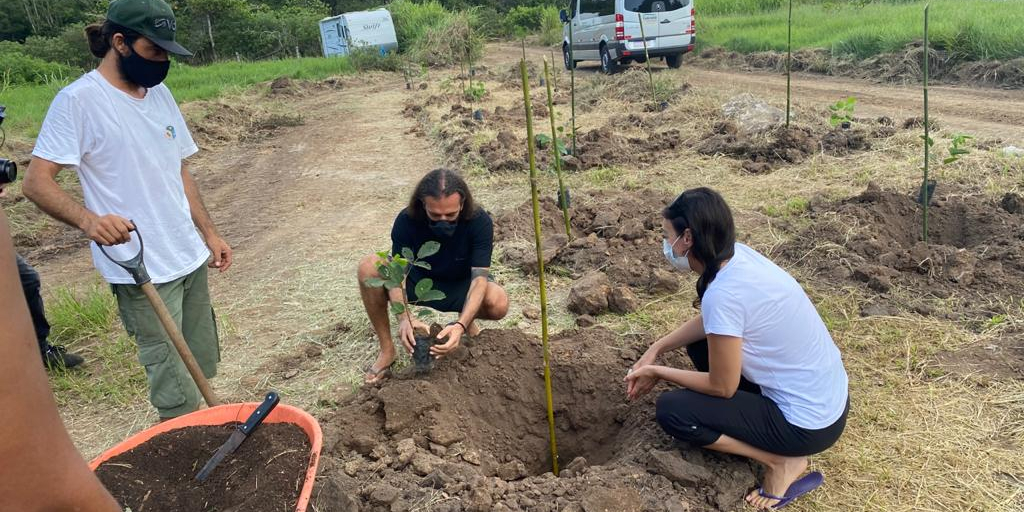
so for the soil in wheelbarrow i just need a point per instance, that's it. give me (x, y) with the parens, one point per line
(472, 435)
(264, 474)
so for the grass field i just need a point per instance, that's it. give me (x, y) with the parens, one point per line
(27, 105)
(975, 30)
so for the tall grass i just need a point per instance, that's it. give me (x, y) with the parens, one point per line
(975, 30)
(433, 35)
(27, 104)
(76, 317)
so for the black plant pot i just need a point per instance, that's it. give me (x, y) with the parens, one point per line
(421, 357)
(928, 189)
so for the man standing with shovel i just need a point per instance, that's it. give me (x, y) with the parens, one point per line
(122, 132)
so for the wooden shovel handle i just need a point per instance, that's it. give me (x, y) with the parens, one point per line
(179, 344)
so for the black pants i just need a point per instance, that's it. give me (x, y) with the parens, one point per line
(31, 284)
(748, 416)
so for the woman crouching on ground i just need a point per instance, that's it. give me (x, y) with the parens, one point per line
(769, 381)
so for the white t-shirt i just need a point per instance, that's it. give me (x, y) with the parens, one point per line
(787, 350)
(127, 153)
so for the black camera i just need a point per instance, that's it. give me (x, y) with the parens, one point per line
(8, 169)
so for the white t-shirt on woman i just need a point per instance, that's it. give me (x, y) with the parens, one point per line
(127, 152)
(787, 350)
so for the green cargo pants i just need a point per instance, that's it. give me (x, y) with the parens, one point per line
(171, 389)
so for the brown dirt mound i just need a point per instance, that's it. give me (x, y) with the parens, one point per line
(896, 67)
(218, 123)
(264, 474)
(761, 152)
(615, 232)
(975, 249)
(472, 435)
(631, 86)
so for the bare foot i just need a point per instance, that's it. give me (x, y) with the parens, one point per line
(379, 369)
(777, 479)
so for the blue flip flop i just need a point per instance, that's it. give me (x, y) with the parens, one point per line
(804, 485)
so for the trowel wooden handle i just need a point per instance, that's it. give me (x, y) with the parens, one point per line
(179, 343)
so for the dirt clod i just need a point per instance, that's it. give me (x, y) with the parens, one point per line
(589, 295)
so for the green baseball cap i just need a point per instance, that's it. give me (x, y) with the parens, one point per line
(154, 19)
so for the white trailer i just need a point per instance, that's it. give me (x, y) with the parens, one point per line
(340, 34)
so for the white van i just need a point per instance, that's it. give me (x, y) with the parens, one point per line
(609, 31)
(340, 34)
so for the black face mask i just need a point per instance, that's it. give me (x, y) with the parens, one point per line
(143, 72)
(443, 228)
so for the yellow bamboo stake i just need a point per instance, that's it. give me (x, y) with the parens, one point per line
(563, 198)
(540, 263)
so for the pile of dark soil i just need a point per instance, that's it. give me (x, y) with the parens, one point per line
(761, 152)
(614, 232)
(264, 474)
(975, 250)
(473, 435)
(901, 67)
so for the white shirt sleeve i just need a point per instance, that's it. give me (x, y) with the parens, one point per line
(722, 313)
(62, 138)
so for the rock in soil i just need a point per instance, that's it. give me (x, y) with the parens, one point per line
(502, 462)
(265, 473)
(589, 295)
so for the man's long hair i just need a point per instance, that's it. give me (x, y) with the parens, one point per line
(437, 184)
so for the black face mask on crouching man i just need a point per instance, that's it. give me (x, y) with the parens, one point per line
(443, 227)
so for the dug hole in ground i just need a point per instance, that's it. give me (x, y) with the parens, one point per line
(473, 436)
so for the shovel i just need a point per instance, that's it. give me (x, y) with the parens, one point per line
(137, 269)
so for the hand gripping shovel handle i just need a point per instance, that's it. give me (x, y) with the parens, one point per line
(137, 268)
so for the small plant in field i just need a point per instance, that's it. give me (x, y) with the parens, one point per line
(956, 148)
(793, 207)
(842, 112)
(543, 141)
(394, 269)
(476, 91)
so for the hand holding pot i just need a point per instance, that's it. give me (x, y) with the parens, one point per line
(407, 331)
(454, 334)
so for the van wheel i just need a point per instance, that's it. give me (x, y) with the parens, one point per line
(565, 58)
(674, 61)
(608, 65)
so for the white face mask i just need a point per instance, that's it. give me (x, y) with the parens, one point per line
(682, 263)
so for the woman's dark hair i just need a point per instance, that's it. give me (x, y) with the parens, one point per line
(101, 35)
(437, 184)
(709, 219)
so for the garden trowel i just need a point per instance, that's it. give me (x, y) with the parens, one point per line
(240, 434)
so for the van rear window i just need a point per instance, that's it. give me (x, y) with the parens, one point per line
(655, 5)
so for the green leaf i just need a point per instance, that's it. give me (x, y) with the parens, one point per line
(428, 249)
(397, 308)
(400, 260)
(422, 264)
(384, 271)
(950, 160)
(431, 295)
(423, 313)
(383, 255)
(424, 286)
(374, 282)
(407, 254)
